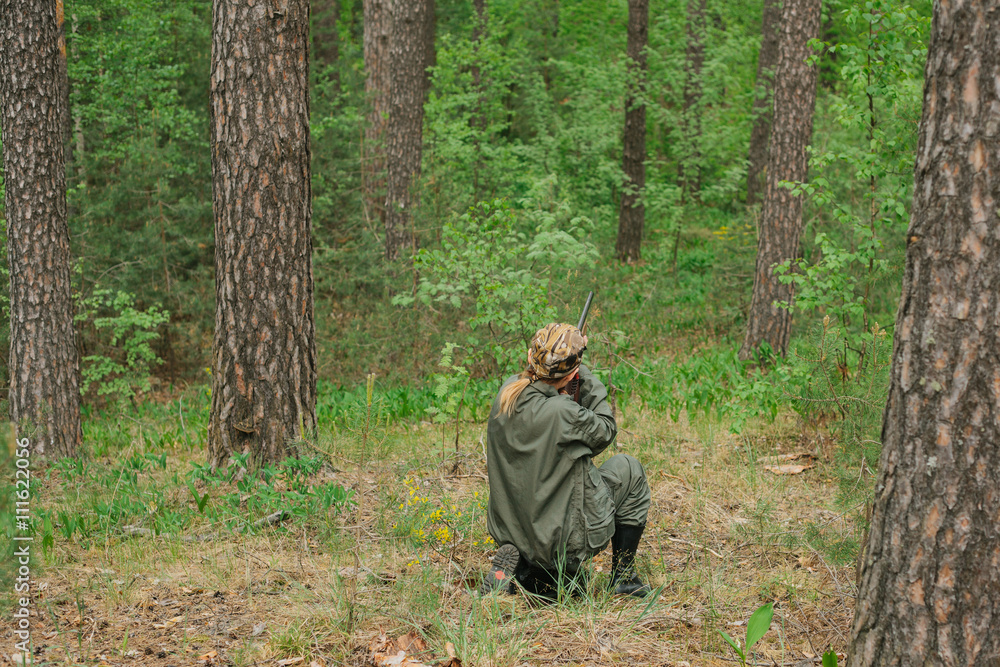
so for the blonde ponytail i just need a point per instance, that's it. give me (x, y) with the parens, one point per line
(510, 393)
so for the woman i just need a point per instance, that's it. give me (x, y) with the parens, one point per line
(550, 508)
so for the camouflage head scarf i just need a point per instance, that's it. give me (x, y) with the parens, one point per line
(556, 351)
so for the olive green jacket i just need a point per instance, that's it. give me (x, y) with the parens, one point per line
(546, 497)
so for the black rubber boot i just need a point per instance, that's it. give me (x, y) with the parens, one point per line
(624, 579)
(536, 580)
(547, 584)
(501, 576)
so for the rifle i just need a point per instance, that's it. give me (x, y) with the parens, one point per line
(573, 387)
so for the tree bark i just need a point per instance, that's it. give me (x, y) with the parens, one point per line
(79, 146)
(480, 28)
(325, 40)
(377, 26)
(264, 353)
(689, 166)
(781, 217)
(930, 579)
(631, 212)
(478, 121)
(428, 33)
(479, 31)
(762, 100)
(66, 121)
(411, 19)
(44, 364)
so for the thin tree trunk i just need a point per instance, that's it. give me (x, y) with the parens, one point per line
(543, 12)
(478, 120)
(326, 41)
(66, 120)
(377, 27)
(480, 28)
(930, 579)
(689, 167)
(264, 355)
(430, 54)
(762, 100)
(44, 366)
(78, 152)
(781, 217)
(411, 19)
(631, 212)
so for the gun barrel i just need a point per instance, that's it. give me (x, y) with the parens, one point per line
(586, 311)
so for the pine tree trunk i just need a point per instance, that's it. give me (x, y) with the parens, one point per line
(781, 217)
(428, 33)
(479, 31)
(78, 143)
(377, 27)
(689, 167)
(930, 579)
(478, 121)
(409, 53)
(762, 100)
(264, 356)
(631, 213)
(66, 121)
(44, 365)
(325, 40)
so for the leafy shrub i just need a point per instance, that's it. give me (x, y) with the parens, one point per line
(487, 260)
(122, 366)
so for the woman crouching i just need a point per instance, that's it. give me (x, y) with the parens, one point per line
(550, 508)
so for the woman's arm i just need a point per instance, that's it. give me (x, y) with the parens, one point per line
(592, 421)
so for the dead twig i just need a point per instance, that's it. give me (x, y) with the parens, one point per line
(677, 540)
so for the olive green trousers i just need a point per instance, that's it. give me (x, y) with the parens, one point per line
(626, 480)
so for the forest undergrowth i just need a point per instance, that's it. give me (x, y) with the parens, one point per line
(377, 530)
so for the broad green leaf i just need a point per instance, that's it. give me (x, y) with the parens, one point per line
(759, 624)
(830, 659)
(735, 645)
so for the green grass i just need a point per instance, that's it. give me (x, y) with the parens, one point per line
(330, 581)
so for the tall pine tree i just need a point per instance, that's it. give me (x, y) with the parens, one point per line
(411, 52)
(631, 212)
(781, 217)
(377, 22)
(762, 99)
(264, 352)
(930, 576)
(44, 364)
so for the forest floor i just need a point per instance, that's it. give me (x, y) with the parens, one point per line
(399, 569)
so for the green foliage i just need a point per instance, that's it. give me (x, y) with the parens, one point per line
(716, 382)
(830, 658)
(527, 107)
(140, 166)
(487, 261)
(368, 421)
(757, 626)
(447, 386)
(102, 499)
(877, 106)
(124, 359)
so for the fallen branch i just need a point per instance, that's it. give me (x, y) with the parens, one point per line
(131, 531)
(679, 479)
(697, 546)
(269, 520)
